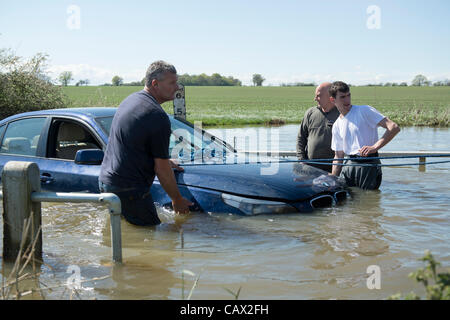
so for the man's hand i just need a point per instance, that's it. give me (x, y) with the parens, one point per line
(181, 205)
(366, 150)
(163, 169)
(174, 165)
(391, 131)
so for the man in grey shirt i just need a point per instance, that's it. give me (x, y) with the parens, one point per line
(314, 136)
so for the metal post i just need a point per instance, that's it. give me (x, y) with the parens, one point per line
(20, 180)
(111, 199)
(115, 211)
(22, 200)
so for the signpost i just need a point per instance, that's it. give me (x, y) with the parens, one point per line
(179, 104)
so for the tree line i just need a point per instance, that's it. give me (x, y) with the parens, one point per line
(204, 80)
(299, 84)
(187, 80)
(218, 80)
(418, 81)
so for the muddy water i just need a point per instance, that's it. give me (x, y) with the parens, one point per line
(323, 255)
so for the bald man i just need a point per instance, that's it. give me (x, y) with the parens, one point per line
(314, 136)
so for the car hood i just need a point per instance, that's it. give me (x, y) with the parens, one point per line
(291, 181)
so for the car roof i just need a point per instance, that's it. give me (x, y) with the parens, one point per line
(91, 112)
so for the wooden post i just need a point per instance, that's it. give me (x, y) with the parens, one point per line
(422, 164)
(19, 180)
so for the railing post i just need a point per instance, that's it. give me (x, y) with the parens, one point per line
(422, 164)
(115, 210)
(19, 180)
(116, 236)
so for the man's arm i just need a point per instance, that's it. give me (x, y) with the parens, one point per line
(391, 131)
(302, 140)
(163, 169)
(336, 168)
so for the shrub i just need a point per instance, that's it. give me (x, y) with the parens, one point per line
(24, 86)
(440, 290)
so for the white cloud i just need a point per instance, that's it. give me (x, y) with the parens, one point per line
(438, 77)
(96, 75)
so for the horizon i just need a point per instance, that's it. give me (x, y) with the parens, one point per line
(359, 42)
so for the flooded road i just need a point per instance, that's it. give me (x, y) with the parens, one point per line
(321, 255)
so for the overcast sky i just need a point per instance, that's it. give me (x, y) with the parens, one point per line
(356, 41)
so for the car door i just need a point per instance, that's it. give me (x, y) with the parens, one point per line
(20, 140)
(59, 172)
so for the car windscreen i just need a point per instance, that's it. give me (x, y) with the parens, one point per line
(188, 143)
(185, 143)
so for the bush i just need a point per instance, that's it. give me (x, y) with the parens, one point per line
(440, 290)
(24, 86)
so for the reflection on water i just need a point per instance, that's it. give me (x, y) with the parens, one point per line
(319, 255)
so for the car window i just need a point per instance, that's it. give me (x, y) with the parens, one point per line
(105, 123)
(22, 136)
(71, 137)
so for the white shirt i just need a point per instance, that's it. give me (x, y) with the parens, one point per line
(357, 129)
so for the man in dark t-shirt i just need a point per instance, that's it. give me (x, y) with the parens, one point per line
(138, 149)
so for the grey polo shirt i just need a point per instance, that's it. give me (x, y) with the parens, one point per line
(314, 136)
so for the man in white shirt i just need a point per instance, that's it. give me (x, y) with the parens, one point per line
(355, 134)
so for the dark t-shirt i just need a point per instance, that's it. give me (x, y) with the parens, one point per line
(140, 132)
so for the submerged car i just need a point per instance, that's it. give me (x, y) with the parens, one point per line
(68, 145)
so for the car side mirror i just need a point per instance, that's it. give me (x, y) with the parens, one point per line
(89, 156)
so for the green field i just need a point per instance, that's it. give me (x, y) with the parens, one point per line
(408, 106)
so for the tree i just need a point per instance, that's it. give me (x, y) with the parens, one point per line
(117, 81)
(25, 87)
(81, 82)
(65, 78)
(258, 79)
(420, 80)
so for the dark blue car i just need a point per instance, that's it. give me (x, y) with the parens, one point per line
(68, 144)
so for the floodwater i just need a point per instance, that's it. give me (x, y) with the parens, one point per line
(321, 255)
